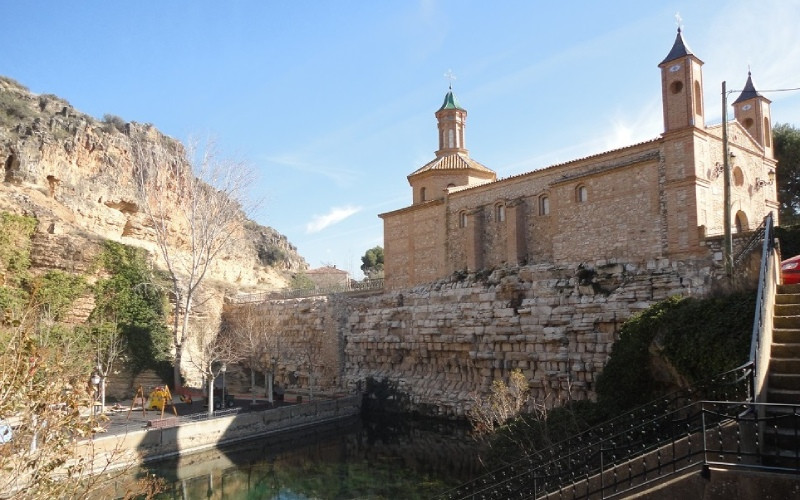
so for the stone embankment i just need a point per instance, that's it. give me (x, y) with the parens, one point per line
(441, 344)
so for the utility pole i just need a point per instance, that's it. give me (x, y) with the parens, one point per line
(727, 250)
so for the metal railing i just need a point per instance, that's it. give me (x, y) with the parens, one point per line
(298, 293)
(761, 339)
(586, 454)
(702, 434)
(661, 438)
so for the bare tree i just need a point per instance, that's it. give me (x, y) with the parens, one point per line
(316, 352)
(108, 344)
(258, 341)
(193, 202)
(213, 351)
(45, 425)
(245, 327)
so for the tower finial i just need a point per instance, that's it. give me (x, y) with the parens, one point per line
(450, 76)
(678, 21)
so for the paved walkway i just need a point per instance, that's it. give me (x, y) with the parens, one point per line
(120, 417)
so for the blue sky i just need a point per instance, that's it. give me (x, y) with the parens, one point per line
(332, 102)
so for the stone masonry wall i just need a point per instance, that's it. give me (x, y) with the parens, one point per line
(441, 344)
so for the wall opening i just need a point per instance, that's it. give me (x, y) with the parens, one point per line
(698, 98)
(740, 224)
(11, 165)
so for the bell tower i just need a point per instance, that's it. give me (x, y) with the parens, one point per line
(682, 87)
(452, 120)
(752, 110)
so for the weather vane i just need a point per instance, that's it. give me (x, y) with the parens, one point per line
(450, 76)
(678, 20)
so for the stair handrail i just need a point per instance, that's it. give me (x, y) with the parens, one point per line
(733, 384)
(761, 338)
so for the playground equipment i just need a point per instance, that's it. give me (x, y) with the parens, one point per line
(160, 397)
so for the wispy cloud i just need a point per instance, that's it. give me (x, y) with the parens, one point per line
(334, 216)
(341, 176)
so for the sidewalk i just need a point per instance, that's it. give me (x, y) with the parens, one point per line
(121, 418)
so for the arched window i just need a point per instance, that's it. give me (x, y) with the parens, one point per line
(767, 132)
(451, 138)
(698, 98)
(462, 219)
(500, 212)
(544, 205)
(421, 194)
(581, 194)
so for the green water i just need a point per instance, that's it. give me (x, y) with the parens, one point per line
(399, 459)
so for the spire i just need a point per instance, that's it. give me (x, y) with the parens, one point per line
(450, 101)
(679, 49)
(749, 91)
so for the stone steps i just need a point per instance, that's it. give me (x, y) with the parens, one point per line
(782, 435)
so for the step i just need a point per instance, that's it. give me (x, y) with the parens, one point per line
(789, 381)
(773, 457)
(788, 412)
(786, 321)
(787, 309)
(784, 365)
(784, 396)
(785, 350)
(787, 299)
(788, 289)
(786, 335)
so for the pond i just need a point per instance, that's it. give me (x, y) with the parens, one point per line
(363, 459)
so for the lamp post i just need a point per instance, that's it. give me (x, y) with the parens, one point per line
(223, 369)
(727, 249)
(95, 380)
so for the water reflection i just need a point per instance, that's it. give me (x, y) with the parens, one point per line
(374, 459)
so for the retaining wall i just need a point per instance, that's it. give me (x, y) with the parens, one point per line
(157, 443)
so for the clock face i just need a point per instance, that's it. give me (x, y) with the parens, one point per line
(746, 107)
(674, 68)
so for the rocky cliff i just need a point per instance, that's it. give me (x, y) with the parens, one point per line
(75, 175)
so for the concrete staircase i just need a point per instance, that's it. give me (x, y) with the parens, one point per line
(783, 438)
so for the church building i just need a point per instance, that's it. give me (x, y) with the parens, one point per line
(656, 199)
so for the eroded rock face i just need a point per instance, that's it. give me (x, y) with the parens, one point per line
(75, 175)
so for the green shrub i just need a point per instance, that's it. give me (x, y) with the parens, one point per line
(113, 122)
(789, 238)
(134, 300)
(699, 338)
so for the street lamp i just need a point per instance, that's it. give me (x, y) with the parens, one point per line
(223, 369)
(760, 183)
(95, 380)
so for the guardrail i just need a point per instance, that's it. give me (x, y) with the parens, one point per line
(577, 456)
(298, 293)
(700, 435)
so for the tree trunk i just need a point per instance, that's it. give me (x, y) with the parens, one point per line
(176, 337)
(269, 387)
(253, 384)
(102, 395)
(211, 395)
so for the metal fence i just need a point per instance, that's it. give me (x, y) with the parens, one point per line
(586, 454)
(298, 293)
(751, 436)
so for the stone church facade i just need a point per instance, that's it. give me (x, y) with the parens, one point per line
(656, 199)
